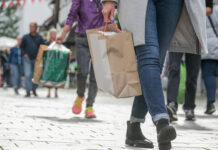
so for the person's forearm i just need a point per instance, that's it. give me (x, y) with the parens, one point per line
(65, 30)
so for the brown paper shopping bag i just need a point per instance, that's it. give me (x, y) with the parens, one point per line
(39, 64)
(114, 62)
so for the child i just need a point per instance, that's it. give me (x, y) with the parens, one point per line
(88, 15)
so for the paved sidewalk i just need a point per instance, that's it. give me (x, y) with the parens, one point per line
(48, 124)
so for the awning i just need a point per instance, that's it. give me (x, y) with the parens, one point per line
(6, 42)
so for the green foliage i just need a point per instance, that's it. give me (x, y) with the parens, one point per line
(9, 21)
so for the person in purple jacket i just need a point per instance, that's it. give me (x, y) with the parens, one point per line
(88, 15)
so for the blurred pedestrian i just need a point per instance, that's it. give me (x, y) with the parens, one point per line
(192, 62)
(6, 69)
(1, 69)
(15, 60)
(209, 63)
(52, 38)
(89, 16)
(154, 23)
(30, 46)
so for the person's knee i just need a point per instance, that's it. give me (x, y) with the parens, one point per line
(174, 70)
(82, 74)
(28, 74)
(192, 78)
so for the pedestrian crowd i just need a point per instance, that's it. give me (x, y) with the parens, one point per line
(187, 29)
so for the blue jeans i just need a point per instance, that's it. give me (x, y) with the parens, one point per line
(16, 74)
(209, 74)
(28, 73)
(161, 21)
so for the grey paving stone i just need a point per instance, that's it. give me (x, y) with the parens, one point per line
(48, 124)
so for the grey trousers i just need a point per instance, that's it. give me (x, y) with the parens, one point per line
(192, 66)
(84, 69)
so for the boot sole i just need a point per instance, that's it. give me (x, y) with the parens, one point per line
(210, 112)
(136, 144)
(167, 135)
(170, 112)
(165, 146)
(91, 117)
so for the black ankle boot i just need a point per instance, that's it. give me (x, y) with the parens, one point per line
(135, 137)
(165, 134)
(210, 108)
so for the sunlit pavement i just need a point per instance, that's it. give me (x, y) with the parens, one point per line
(48, 124)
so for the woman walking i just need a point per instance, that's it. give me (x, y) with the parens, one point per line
(155, 24)
(209, 63)
(89, 16)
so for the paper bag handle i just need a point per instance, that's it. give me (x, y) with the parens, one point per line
(114, 25)
(61, 47)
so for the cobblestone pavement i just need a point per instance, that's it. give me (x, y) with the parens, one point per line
(48, 124)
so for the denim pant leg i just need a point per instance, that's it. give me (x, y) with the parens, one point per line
(28, 74)
(93, 89)
(15, 75)
(161, 20)
(34, 86)
(192, 66)
(139, 109)
(209, 76)
(174, 77)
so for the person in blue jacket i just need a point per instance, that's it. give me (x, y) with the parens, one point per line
(30, 46)
(15, 61)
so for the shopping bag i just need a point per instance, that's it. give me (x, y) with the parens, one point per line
(54, 65)
(114, 61)
(182, 84)
(39, 64)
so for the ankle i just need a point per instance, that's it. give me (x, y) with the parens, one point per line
(80, 97)
(161, 124)
(210, 102)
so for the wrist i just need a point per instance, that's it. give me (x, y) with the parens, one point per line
(110, 1)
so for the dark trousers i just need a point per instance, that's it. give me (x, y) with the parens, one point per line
(84, 69)
(209, 74)
(192, 66)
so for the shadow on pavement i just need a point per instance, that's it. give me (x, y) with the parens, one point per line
(207, 116)
(202, 116)
(191, 125)
(69, 120)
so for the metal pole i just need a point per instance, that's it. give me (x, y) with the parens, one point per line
(57, 9)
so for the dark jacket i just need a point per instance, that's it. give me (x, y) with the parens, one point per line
(15, 56)
(30, 45)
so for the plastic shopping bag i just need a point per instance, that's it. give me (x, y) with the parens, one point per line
(54, 64)
(182, 84)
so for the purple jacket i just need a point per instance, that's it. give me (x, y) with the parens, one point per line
(87, 13)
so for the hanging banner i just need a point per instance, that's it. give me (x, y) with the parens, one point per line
(16, 3)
